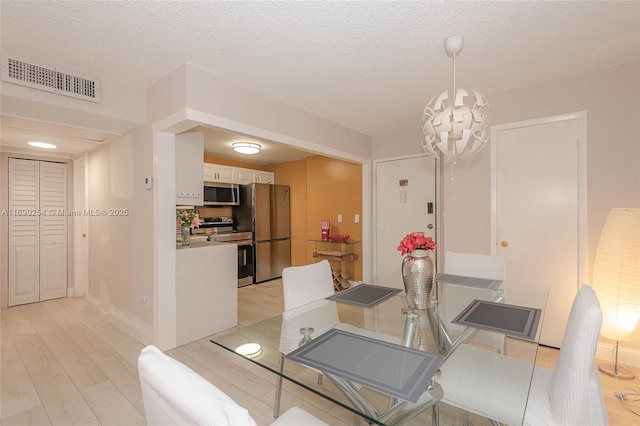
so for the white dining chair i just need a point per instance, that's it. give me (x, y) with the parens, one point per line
(486, 383)
(174, 394)
(456, 299)
(474, 265)
(302, 285)
(305, 288)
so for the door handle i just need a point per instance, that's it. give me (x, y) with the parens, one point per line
(504, 243)
(430, 226)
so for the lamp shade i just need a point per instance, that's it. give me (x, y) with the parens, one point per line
(616, 274)
(456, 122)
(455, 125)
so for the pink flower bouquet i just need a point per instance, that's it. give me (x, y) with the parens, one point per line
(416, 240)
(188, 218)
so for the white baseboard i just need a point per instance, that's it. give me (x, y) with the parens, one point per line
(140, 332)
(626, 356)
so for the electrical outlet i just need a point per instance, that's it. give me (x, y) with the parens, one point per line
(356, 218)
(339, 218)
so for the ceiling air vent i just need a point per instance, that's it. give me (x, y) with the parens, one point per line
(50, 79)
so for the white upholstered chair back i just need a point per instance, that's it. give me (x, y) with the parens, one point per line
(482, 381)
(302, 285)
(456, 298)
(576, 391)
(174, 394)
(307, 283)
(474, 265)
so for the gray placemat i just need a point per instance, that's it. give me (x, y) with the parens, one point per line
(366, 295)
(469, 281)
(517, 321)
(386, 367)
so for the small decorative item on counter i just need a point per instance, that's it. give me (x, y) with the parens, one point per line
(418, 270)
(339, 238)
(325, 230)
(185, 220)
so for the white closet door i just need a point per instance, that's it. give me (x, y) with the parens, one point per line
(53, 230)
(539, 209)
(24, 232)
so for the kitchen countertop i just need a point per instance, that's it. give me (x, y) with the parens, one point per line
(198, 244)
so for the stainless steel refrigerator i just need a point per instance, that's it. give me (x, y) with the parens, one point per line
(264, 210)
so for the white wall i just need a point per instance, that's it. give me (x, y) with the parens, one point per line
(79, 254)
(611, 98)
(213, 95)
(213, 101)
(121, 109)
(121, 246)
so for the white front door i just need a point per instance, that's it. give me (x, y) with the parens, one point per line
(405, 202)
(540, 209)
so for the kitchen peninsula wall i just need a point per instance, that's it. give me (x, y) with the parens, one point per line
(321, 188)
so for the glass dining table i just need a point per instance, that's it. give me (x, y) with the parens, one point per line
(381, 359)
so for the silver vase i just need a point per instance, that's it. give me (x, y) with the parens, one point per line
(418, 272)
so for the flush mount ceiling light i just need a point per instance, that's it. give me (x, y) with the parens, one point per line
(454, 124)
(42, 145)
(246, 147)
(250, 350)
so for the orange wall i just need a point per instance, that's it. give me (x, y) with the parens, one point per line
(321, 188)
(334, 187)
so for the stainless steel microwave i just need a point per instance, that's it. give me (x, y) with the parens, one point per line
(221, 194)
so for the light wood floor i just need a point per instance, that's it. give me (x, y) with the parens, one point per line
(64, 364)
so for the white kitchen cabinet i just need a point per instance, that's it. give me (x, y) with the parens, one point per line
(189, 160)
(218, 173)
(208, 172)
(245, 176)
(263, 177)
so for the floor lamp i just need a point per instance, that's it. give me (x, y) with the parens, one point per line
(616, 280)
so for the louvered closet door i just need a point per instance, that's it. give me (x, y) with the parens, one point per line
(24, 230)
(53, 230)
(37, 231)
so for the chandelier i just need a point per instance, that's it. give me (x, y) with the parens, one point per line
(455, 123)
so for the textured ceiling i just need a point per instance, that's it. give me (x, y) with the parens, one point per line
(371, 66)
